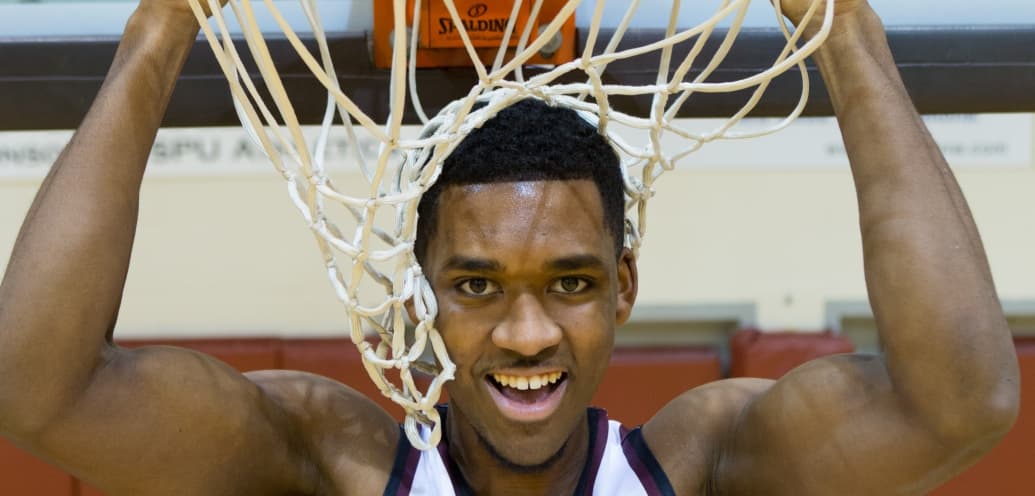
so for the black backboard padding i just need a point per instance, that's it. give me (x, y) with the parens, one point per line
(49, 83)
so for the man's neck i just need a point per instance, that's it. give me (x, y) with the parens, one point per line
(485, 473)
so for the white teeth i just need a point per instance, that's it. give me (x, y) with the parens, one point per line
(526, 383)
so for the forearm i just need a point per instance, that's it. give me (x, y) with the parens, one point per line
(63, 285)
(947, 345)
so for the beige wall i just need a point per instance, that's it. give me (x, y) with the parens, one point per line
(224, 253)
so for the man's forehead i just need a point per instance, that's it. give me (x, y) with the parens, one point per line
(525, 189)
(523, 186)
(537, 202)
(548, 216)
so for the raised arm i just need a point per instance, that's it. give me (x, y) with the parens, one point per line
(151, 421)
(945, 389)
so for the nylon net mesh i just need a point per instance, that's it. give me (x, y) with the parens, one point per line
(366, 232)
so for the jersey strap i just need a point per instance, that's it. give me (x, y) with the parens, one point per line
(643, 463)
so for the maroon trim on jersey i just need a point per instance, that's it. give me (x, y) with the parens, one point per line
(404, 468)
(643, 463)
(597, 443)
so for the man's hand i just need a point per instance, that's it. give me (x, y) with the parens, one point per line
(177, 10)
(795, 11)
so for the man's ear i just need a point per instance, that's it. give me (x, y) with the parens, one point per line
(628, 286)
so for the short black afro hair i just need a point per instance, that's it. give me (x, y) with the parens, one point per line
(531, 141)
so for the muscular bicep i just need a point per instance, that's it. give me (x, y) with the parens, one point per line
(163, 420)
(834, 426)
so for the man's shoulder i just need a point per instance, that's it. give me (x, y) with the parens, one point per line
(350, 439)
(707, 408)
(688, 434)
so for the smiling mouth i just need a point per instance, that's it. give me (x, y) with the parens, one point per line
(527, 398)
(526, 383)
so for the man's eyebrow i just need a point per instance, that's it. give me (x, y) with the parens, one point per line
(576, 262)
(472, 264)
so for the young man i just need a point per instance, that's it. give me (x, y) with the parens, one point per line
(531, 285)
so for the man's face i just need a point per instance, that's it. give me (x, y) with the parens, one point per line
(529, 291)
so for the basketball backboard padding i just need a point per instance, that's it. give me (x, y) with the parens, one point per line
(93, 18)
(955, 58)
(49, 83)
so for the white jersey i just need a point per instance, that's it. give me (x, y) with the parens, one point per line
(620, 464)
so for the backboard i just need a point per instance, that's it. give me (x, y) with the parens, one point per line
(954, 56)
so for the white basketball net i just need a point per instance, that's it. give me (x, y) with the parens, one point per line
(359, 250)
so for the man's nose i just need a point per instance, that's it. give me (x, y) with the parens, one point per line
(527, 329)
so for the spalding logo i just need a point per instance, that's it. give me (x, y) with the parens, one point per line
(477, 10)
(473, 24)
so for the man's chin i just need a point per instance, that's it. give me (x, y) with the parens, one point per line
(521, 463)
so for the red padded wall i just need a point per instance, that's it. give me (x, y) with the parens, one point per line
(242, 354)
(23, 474)
(640, 381)
(773, 354)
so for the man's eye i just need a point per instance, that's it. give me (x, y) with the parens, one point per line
(570, 285)
(477, 287)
